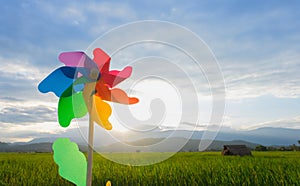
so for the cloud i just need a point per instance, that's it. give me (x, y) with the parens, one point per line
(257, 48)
(90, 18)
(27, 132)
(19, 79)
(277, 76)
(293, 123)
(27, 114)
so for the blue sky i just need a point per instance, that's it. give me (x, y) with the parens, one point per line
(255, 42)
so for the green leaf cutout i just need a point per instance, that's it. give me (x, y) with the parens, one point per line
(71, 107)
(72, 163)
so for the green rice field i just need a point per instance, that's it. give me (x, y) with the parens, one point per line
(185, 168)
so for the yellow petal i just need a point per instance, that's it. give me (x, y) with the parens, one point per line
(100, 112)
(108, 183)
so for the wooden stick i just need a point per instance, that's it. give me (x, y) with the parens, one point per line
(90, 153)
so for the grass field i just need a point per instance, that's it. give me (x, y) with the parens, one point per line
(190, 168)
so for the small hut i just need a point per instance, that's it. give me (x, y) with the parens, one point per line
(236, 150)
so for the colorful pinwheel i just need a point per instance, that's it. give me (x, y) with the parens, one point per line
(83, 86)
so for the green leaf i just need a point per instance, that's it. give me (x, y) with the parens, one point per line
(72, 163)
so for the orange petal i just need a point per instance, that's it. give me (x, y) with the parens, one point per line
(115, 95)
(120, 96)
(99, 110)
(102, 90)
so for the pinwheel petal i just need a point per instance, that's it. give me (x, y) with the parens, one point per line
(58, 81)
(77, 59)
(115, 95)
(115, 77)
(72, 59)
(77, 86)
(100, 112)
(120, 96)
(72, 163)
(80, 59)
(102, 90)
(71, 107)
(102, 60)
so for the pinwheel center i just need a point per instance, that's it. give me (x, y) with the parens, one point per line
(94, 74)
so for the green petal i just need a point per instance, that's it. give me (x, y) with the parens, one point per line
(71, 107)
(72, 163)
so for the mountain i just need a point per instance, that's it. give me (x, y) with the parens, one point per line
(30, 147)
(267, 136)
(185, 139)
(36, 147)
(41, 140)
(148, 145)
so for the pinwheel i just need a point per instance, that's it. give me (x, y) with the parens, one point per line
(83, 86)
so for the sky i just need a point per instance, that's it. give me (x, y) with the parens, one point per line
(256, 44)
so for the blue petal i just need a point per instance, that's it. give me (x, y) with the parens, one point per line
(58, 81)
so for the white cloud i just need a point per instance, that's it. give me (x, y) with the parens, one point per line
(19, 69)
(27, 132)
(293, 123)
(94, 17)
(72, 14)
(277, 76)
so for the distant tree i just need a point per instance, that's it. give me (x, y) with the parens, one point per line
(299, 142)
(294, 147)
(261, 148)
(271, 148)
(282, 148)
